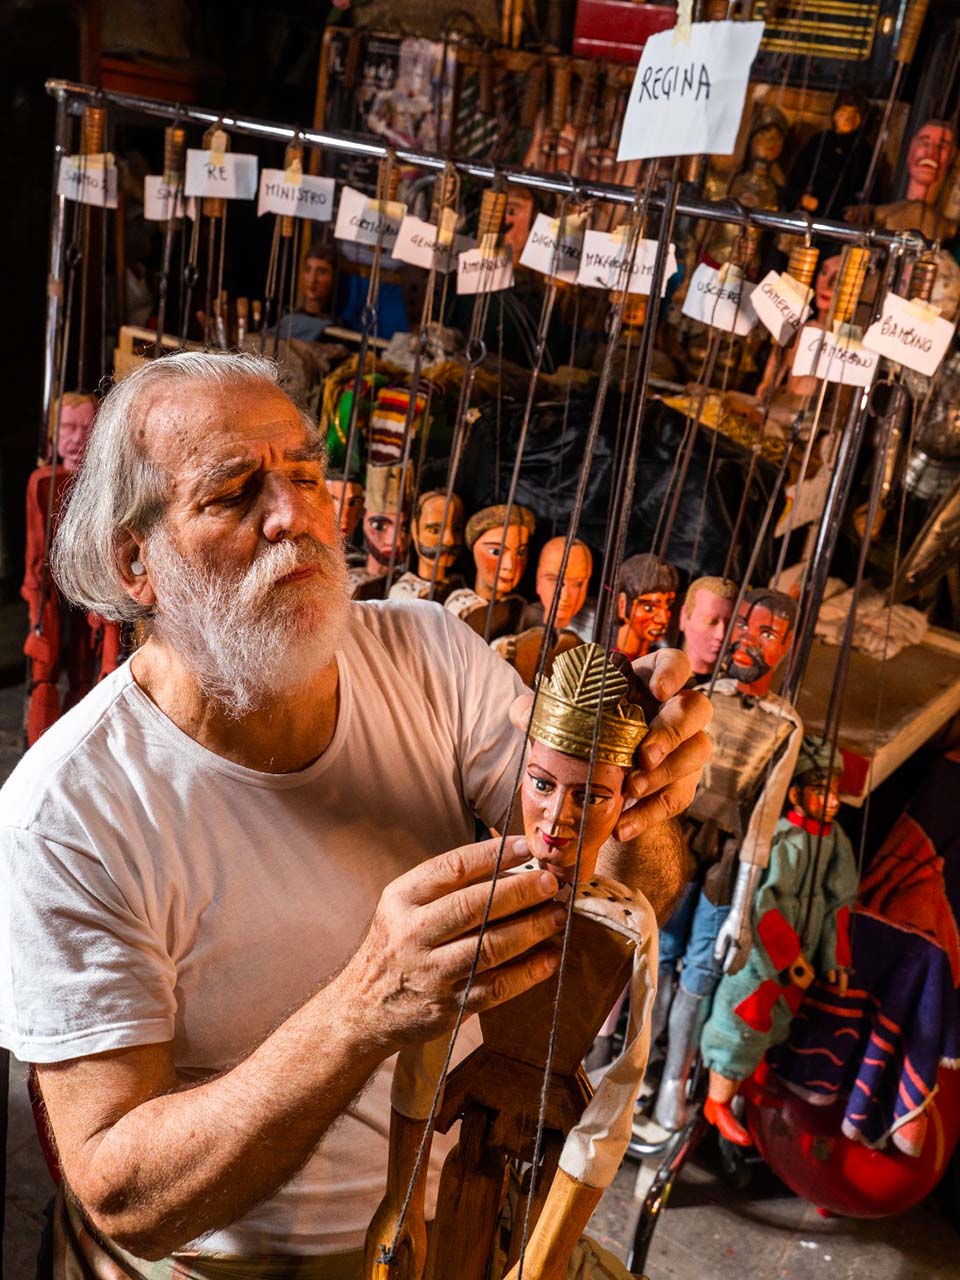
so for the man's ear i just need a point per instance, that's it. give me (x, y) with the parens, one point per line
(134, 572)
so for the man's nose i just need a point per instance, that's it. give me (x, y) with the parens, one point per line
(291, 511)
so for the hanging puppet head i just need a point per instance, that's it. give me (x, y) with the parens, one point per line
(498, 575)
(929, 156)
(706, 611)
(576, 579)
(559, 791)
(761, 638)
(433, 539)
(77, 412)
(316, 278)
(383, 511)
(350, 493)
(815, 790)
(824, 285)
(768, 135)
(645, 600)
(849, 112)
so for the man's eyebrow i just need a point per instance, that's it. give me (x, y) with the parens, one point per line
(220, 472)
(313, 452)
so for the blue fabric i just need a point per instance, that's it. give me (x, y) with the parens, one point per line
(391, 311)
(689, 935)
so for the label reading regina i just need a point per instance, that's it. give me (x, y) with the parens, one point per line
(363, 220)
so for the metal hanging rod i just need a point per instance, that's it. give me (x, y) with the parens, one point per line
(71, 96)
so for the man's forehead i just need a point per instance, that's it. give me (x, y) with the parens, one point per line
(197, 422)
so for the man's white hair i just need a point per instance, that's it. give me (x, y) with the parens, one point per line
(119, 487)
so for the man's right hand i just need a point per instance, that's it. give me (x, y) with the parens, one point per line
(408, 976)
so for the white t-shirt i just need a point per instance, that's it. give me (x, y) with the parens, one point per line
(154, 891)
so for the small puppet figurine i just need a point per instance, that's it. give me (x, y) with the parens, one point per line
(347, 498)
(435, 542)
(929, 156)
(704, 616)
(612, 939)
(497, 576)
(523, 651)
(800, 917)
(756, 737)
(87, 646)
(829, 172)
(647, 593)
(382, 511)
(314, 311)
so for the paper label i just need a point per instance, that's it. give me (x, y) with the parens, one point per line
(542, 252)
(230, 176)
(687, 96)
(781, 305)
(807, 505)
(158, 203)
(603, 263)
(911, 333)
(479, 272)
(308, 197)
(89, 180)
(360, 219)
(834, 357)
(720, 299)
(422, 244)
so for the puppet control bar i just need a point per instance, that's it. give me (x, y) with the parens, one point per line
(70, 96)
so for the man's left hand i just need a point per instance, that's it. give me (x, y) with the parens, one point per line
(673, 753)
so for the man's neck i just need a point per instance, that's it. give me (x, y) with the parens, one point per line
(285, 734)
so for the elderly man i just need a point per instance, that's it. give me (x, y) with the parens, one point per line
(237, 876)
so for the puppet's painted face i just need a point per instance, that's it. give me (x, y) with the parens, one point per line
(928, 159)
(554, 796)
(75, 423)
(767, 144)
(846, 119)
(430, 533)
(704, 624)
(351, 494)
(760, 640)
(378, 532)
(647, 619)
(517, 221)
(820, 802)
(573, 588)
(825, 284)
(316, 283)
(497, 574)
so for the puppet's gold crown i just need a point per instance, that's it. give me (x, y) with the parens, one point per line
(585, 684)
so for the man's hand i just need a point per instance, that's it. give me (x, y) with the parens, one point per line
(410, 971)
(675, 749)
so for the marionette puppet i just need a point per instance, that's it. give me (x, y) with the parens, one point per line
(85, 645)
(496, 1092)
(523, 650)
(799, 918)
(830, 170)
(497, 574)
(704, 616)
(383, 512)
(347, 498)
(931, 152)
(437, 543)
(778, 379)
(756, 738)
(645, 600)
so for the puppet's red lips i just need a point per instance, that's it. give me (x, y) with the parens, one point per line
(554, 842)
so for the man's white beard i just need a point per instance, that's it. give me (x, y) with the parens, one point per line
(245, 639)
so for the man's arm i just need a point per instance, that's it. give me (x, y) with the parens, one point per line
(656, 863)
(155, 1164)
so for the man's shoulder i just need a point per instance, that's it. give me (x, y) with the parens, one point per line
(76, 745)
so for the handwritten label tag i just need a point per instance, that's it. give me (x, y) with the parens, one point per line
(308, 197)
(479, 272)
(422, 244)
(231, 175)
(781, 305)
(911, 333)
(360, 219)
(807, 503)
(687, 96)
(89, 180)
(158, 203)
(542, 253)
(835, 357)
(720, 299)
(603, 263)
